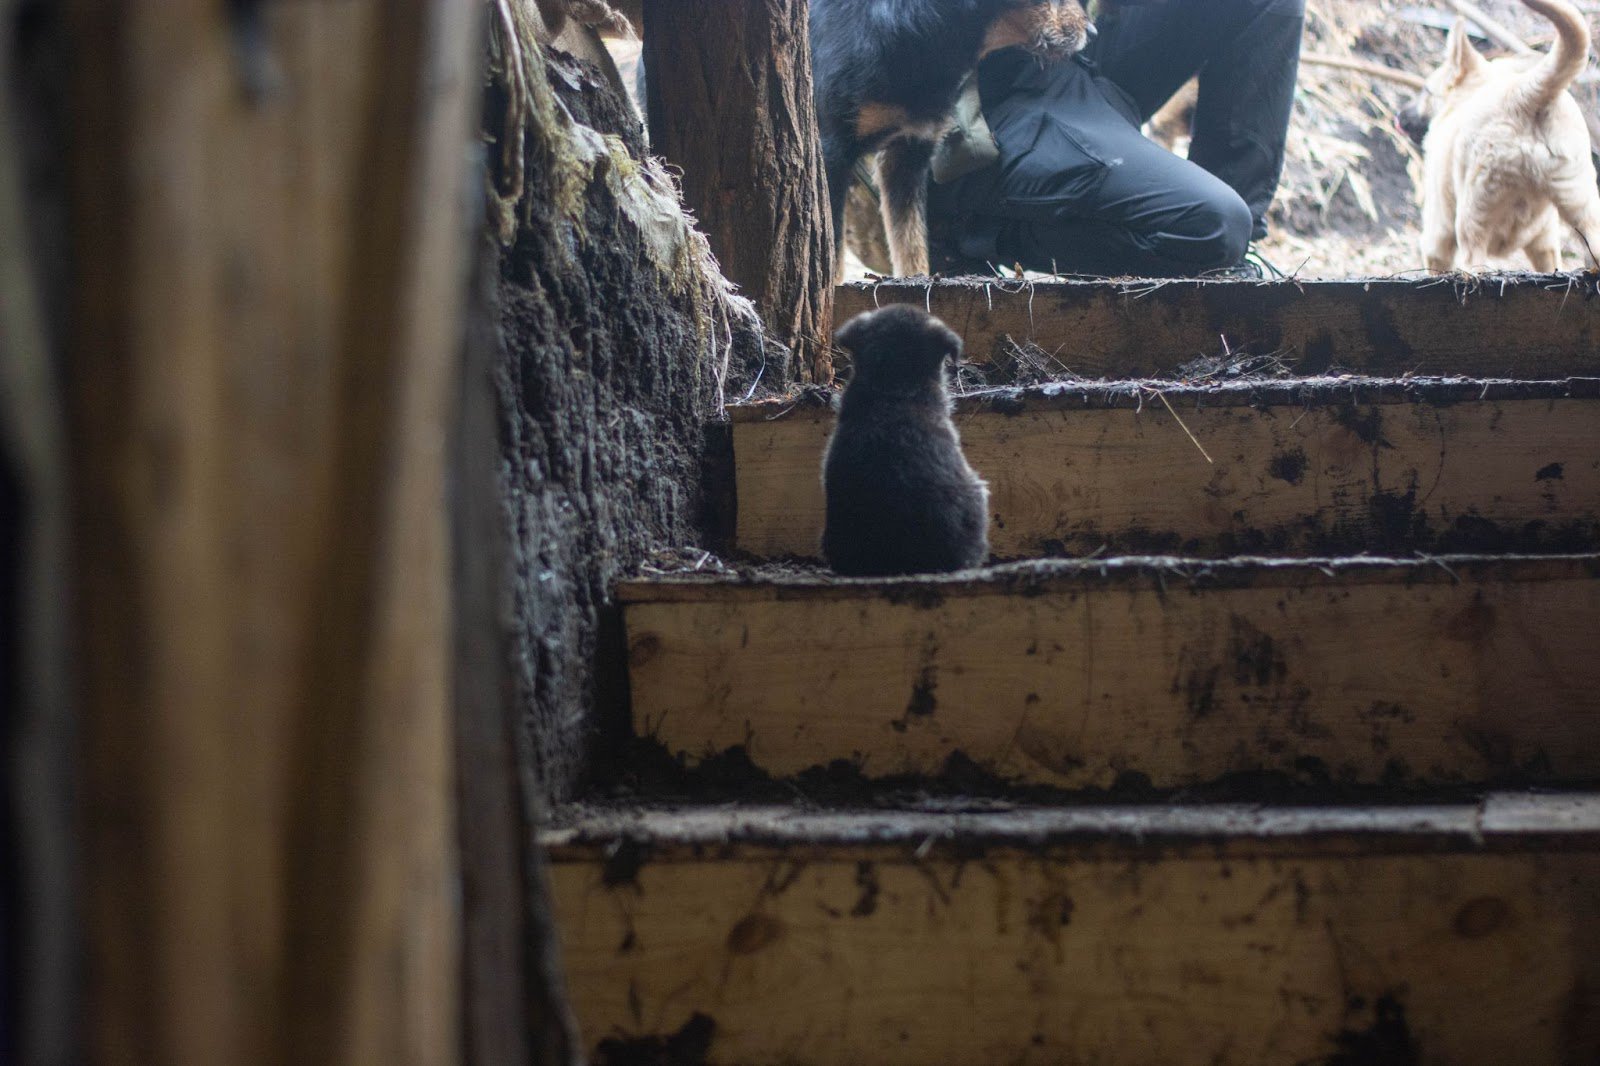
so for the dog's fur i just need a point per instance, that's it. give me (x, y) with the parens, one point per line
(901, 498)
(887, 74)
(1506, 152)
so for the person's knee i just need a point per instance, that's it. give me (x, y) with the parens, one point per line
(1235, 224)
(1216, 231)
(1291, 8)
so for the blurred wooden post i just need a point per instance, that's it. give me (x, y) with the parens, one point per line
(38, 904)
(267, 326)
(730, 104)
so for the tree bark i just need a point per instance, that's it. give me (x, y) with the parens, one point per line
(730, 104)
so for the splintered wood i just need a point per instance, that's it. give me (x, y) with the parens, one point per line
(1423, 672)
(942, 940)
(1073, 473)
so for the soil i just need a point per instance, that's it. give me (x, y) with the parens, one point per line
(605, 389)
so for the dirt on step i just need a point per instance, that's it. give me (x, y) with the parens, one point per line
(652, 774)
(1386, 1042)
(689, 1046)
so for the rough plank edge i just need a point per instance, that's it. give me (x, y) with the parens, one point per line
(1449, 325)
(1343, 390)
(1490, 283)
(1165, 574)
(1501, 821)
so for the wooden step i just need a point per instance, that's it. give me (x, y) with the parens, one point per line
(1216, 935)
(1325, 466)
(1070, 674)
(1516, 326)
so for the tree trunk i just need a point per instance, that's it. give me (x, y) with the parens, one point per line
(730, 104)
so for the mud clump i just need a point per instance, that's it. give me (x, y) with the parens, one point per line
(689, 1046)
(1386, 1042)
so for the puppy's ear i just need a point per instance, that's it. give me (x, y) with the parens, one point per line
(1461, 58)
(947, 340)
(850, 335)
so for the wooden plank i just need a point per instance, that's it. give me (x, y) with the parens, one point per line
(1522, 326)
(39, 900)
(1220, 936)
(267, 320)
(1311, 467)
(1422, 672)
(1498, 821)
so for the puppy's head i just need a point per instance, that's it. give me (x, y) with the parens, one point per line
(1049, 29)
(1460, 73)
(898, 347)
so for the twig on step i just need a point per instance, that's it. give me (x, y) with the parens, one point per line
(1181, 425)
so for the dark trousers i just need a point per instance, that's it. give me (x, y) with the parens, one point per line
(1078, 190)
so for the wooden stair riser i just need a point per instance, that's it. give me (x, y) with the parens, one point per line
(1409, 674)
(1525, 327)
(910, 954)
(1071, 478)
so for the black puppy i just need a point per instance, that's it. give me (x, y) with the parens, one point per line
(901, 497)
(887, 75)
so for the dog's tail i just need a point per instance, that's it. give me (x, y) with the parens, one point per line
(1551, 76)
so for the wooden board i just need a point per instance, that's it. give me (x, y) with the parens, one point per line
(266, 305)
(1207, 936)
(1310, 467)
(1521, 326)
(1066, 674)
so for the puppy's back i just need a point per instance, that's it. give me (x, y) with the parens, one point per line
(901, 497)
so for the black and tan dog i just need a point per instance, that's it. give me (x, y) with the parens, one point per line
(888, 74)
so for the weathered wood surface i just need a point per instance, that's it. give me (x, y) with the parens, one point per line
(267, 313)
(1313, 467)
(1452, 670)
(1522, 326)
(1227, 935)
(730, 104)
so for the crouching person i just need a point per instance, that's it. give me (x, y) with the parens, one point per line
(1063, 181)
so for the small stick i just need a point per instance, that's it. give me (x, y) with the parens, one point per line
(1376, 70)
(1495, 31)
(1182, 426)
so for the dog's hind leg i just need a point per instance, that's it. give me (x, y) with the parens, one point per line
(1544, 251)
(1439, 250)
(1584, 216)
(903, 190)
